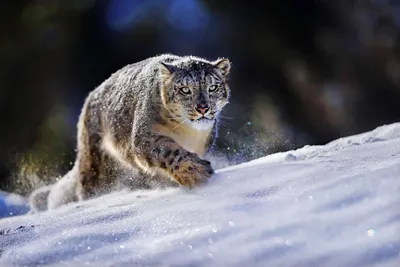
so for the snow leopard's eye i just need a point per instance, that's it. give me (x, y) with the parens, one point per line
(213, 87)
(185, 90)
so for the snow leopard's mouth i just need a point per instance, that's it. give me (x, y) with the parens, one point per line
(204, 119)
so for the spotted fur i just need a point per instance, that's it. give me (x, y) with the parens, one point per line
(153, 120)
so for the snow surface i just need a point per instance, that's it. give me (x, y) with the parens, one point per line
(12, 204)
(332, 205)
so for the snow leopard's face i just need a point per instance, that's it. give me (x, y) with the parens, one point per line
(195, 91)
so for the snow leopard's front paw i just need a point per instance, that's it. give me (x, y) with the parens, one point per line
(192, 171)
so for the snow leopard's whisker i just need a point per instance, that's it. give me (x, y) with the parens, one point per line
(225, 117)
(179, 124)
(224, 123)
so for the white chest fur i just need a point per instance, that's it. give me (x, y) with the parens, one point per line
(191, 136)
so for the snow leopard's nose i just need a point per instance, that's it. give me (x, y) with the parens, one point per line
(202, 108)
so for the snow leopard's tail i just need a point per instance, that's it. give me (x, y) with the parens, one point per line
(39, 198)
(53, 196)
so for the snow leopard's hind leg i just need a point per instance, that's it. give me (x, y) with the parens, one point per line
(93, 162)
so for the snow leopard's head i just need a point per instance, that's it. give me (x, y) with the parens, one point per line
(195, 90)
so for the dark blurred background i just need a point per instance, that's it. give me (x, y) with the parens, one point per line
(304, 72)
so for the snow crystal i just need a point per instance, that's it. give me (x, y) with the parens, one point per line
(371, 232)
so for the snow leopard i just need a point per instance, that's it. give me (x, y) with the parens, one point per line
(152, 121)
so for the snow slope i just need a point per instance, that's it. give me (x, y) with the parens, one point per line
(332, 205)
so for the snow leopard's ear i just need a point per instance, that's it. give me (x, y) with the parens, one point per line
(224, 65)
(166, 70)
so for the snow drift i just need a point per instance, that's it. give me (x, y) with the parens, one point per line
(332, 205)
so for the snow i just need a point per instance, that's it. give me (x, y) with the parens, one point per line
(12, 204)
(332, 205)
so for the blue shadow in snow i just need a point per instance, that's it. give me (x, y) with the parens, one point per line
(8, 209)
